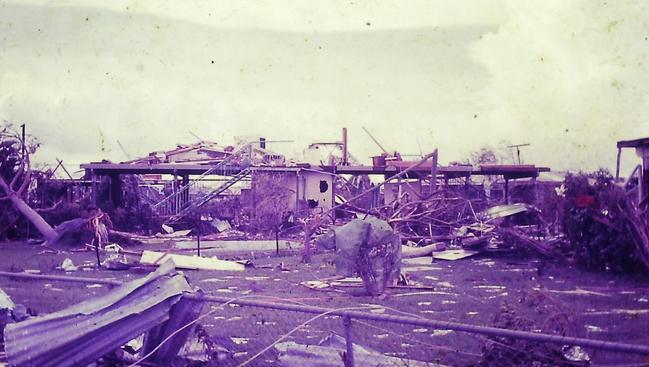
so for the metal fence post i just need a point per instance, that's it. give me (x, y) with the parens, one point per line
(347, 322)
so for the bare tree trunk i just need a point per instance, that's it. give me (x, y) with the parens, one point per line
(31, 215)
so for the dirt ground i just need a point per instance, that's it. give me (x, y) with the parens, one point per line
(471, 290)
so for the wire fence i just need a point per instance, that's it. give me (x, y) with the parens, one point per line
(270, 331)
(261, 333)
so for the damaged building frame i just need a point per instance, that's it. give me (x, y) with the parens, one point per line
(203, 172)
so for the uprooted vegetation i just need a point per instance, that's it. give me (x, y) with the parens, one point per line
(606, 229)
(550, 317)
(134, 212)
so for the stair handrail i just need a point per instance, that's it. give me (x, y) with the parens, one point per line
(221, 164)
(200, 201)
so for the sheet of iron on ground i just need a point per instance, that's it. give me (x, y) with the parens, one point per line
(82, 333)
(369, 248)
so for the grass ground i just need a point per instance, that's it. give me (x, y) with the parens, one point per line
(472, 290)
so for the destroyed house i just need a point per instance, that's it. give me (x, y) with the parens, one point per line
(202, 152)
(191, 176)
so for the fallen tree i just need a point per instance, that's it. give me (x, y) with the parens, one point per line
(15, 180)
(16, 176)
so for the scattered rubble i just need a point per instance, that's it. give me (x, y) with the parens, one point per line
(379, 236)
(68, 265)
(10, 313)
(550, 317)
(201, 350)
(331, 350)
(454, 254)
(189, 262)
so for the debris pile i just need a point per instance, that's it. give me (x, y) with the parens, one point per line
(331, 351)
(75, 232)
(448, 220)
(607, 230)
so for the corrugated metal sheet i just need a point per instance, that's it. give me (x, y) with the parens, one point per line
(82, 333)
(501, 211)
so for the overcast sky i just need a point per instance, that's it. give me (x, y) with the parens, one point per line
(569, 77)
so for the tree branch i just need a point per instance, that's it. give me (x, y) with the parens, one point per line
(25, 184)
(17, 175)
(52, 208)
(27, 177)
(4, 186)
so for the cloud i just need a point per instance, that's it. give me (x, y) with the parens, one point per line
(83, 78)
(569, 77)
(312, 16)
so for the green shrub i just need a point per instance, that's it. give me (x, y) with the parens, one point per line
(596, 222)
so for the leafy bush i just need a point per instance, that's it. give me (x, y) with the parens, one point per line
(546, 315)
(273, 194)
(134, 214)
(596, 222)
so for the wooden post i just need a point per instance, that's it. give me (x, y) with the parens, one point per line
(306, 255)
(23, 142)
(253, 198)
(96, 242)
(433, 173)
(198, 232)
(349, 343)
(93, 180)
(174, 190)
(617, 166)
(399, 192)
(535, 189)
(333, 195)
(297, 192)
(644, 177)
(276, 241)
(185, 194)
(115, 190)
(345, 149)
